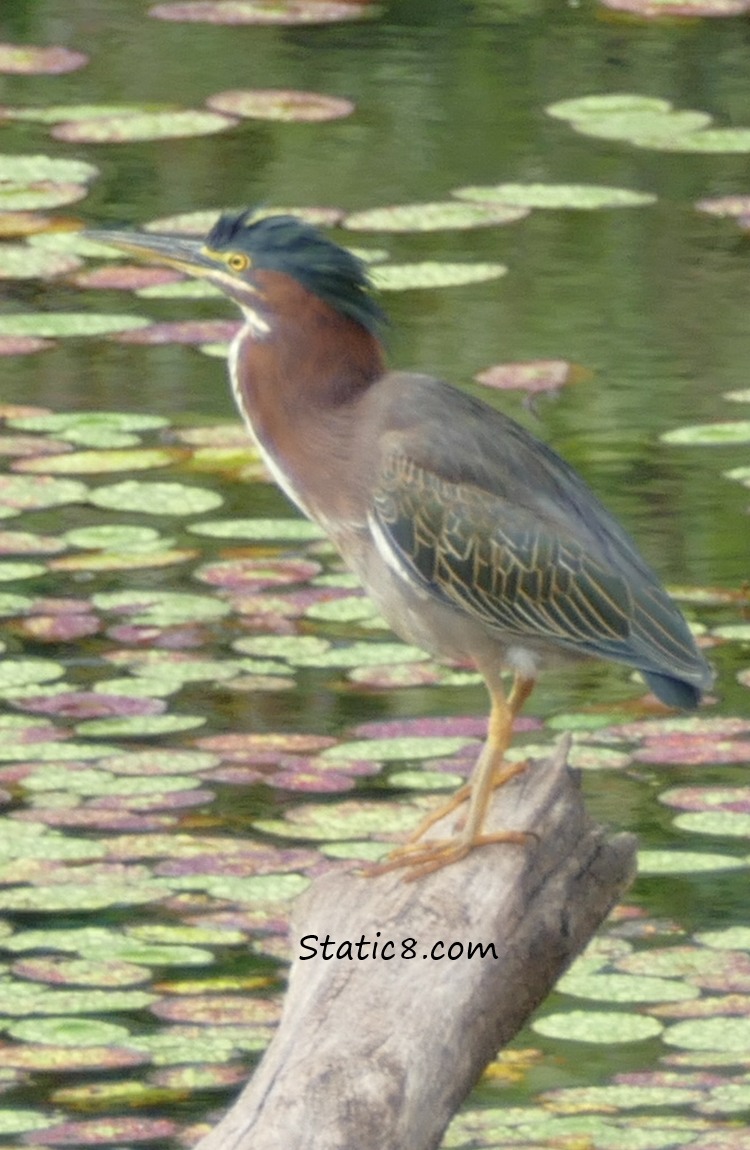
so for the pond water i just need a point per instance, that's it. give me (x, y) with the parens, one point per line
(181, 691)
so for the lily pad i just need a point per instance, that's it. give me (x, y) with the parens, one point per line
(581, 196)
(432, 274)
(143, 126)
(155, 498)
(710, 434)
(29, 196)
(655, 862)
(98, 462)
(200, 222)
(280, 104)
(437, 216)
(532, 376)
(598, 1027)
(66, 1031)
(287, 530)
(258, 11)
(30, 60)
(67, 323)
(18, 261)
(25, 168)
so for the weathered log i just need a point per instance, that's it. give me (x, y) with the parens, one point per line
(378, 1052)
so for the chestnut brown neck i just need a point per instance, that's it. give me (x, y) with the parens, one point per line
(297, 383)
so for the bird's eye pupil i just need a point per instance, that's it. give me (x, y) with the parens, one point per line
(238, 262)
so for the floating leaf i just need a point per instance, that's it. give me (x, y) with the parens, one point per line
(725, 1034)
(437, 216)
(58, 113)
(97, 462)
(181, 331)
(23, 168)
(599, 1027)
(23, 344)
(666, 9)
(69, 1031)
(280, 104)
(615, 103)
(39, 194)
(27, 59)
(67, 323)
(102, 1131)
(533, 376)
(18, 261)
(143, 126)
(655, 862)
(728, 432)
(626, 988)
(198, 223)
(258, 11)
(431, 274)
(141, 727)
(155, 498)
(287, 530)
(582, 196)
(161, 608)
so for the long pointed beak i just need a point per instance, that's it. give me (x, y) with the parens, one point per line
(174, 251)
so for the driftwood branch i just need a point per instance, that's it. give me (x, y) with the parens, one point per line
(378, 1053)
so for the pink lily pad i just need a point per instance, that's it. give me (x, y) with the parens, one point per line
(25, 543)
(732, 206)
(181, 331)
(532, 376)
(59, 1059)
(104, 1131)
(81, 972)
(23, 344)
(254, 574)
(654, 9)
(91, 704)
(60, 628)
(242, 748)
(259, 11)
(218, 1009)
(173, 125)
(26, 59)
(690, 750)
(32, 445)
(280, 104)
(124, 277)
(708, 798)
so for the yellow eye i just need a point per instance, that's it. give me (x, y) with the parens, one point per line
(238, 262)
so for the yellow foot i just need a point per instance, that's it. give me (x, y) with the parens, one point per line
(424, 858)
(505, 772)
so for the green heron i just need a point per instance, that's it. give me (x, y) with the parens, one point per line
(474, 539)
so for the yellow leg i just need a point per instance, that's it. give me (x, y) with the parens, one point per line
(489, 773)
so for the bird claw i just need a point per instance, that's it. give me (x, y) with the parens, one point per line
(424, 858)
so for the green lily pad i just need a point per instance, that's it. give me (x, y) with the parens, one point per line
(67, 323)
(655, 862)
(437, 216)
(615, 103)
(18, 261)
(143, 126)
(81, 426)
(112, 536)
(397, 749)
(140, 726)
(598, 1027)
(626, 988)
(156, 498)
(60, 113)
(431, 274)
(287, 530)
(17, 1121)
(161, 608)
(348, 819)
(182, 289)
(67, 1031)
(97, 462)
(710, 434)
(23, 168)
(726, 1034)
(280, 104)
(40, 194)
(581, 196)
